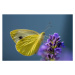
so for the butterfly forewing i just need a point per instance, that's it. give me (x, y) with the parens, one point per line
(18, 34)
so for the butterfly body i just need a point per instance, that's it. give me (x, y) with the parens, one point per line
(27, 41)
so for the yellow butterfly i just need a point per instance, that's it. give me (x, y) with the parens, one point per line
(27, 41)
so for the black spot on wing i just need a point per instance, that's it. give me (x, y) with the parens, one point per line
(20, 37)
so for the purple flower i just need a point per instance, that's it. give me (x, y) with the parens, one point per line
(50, 49)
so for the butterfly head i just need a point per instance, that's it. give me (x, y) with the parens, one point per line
(43, 33)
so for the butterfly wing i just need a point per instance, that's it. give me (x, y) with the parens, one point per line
(28, 45)
(18, 34)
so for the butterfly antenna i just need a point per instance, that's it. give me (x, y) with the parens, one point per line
(47, 27)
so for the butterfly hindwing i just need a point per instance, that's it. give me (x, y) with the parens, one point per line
(28, 45)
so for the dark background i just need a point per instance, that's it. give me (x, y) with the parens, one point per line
(61, 24)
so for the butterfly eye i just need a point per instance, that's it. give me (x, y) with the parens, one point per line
(20, 37)
(44, 34)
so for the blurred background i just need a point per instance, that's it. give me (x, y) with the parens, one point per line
(61, 24)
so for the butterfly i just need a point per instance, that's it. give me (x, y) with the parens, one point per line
(27, 41)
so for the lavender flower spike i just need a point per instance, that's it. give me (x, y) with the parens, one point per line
(51, 48)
